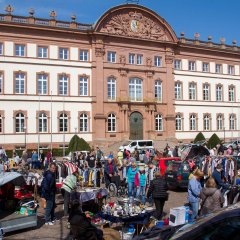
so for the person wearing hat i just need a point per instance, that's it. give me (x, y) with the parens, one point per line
(194, 189)
(69, 184)
(132, 171)
(140, 182)
(217, 175)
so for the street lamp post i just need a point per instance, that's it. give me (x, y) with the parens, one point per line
(25, 136)
(224, 133)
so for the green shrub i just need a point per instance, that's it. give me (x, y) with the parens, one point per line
(213, 141)
(199, 137)
(78, 144)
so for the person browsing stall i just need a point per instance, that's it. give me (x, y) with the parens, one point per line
(217, 175)
(69, 185)
(109, 171)
(132, 171)
(140, 181)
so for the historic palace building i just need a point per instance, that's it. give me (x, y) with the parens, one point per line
(128, 76)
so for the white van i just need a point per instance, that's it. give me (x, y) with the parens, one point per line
(139, 144)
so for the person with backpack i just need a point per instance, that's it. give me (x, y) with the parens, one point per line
(48, 193)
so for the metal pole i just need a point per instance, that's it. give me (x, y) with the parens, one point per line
(238, 116)
(51, 121)
(38, 126)
(25, 131)
(63, 127)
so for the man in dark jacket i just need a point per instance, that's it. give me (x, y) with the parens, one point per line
(218, 177)
(109, 171)
(48, 192)
(158, 188)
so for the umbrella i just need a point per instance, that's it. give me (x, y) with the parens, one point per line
(193, 151)
(16, 178)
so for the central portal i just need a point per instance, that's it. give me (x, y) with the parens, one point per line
(136, 126)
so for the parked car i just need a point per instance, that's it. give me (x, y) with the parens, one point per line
(139, 144)
(177, 174)
(163, 163)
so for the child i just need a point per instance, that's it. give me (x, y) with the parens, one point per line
(140, 182)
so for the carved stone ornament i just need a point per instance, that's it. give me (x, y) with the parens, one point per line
(134, 24)
(149, 61)
(99, 52)
(123, 72)
(122, 59)
(169, 59)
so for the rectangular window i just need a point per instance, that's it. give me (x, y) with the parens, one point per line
(205, 67)
(231, 94)
(111, 57)
(20, 50)
(42, 52)
(63, 53)
(19, 83)
(219, 91)
(1, 83)
(42, 84)
(63, 85)
(192, 91)
(218, 68)
(131, 58)
(206, 92)
(84, 55)
(157, 61)
(177, 64)
(135, 89)
(178, 91)
(83, 86)
(1, 124)
(1, 48)
(158, 91)
(230, 70)
(192, 66)
(111, 86)
(139, 59)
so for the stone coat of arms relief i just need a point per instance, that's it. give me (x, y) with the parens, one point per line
(134, 24)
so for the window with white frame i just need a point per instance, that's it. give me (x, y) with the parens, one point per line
(218, 68)
(1, 124)
(83, 122)
(193, 122)
(20, 123)
(1, 48)
(139, 59)
(158, 90)
(230, 70)
(231, 93)
(63, 84)
(192, 66)
(111, 123)
(177, 64)
(20, 79)
(42, 81)
(1, 83)
(178, 122)
(135, 89)
(192, 91)
(111, 56)
(232, 122)
(131, 58)
(42, 52)
(63, 53)
(219, 92)
(158, 122)
(42, 123)
(63, 122)
(20, 50)
(205, 67)
(206, 92)
(220, 122)
(206, 123)
(111, 89)
(157, 61)
(83, 55)
(83, 86)
(178, 91)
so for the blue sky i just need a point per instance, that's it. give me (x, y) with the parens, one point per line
(218, 18)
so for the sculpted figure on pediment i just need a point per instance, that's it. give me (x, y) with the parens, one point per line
(134, 24)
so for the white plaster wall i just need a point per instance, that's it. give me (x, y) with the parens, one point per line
(8, 48)
(31, 50)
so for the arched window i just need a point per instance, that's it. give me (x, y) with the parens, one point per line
(63, 122)
(192, 122)
(158, 122)
(20, 123)
(220, 122)
(111, 89)
(232, 122)
(135, 89)
(158, 90)
(206, 123)
(1, 124)
(42, 122)
(178, 122)
(111, 123)
(83, 122)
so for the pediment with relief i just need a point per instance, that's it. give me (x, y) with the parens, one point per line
(134, 24)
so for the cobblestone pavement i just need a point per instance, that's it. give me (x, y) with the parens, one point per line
(60, 231)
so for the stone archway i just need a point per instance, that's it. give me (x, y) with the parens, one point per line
(136, 126)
